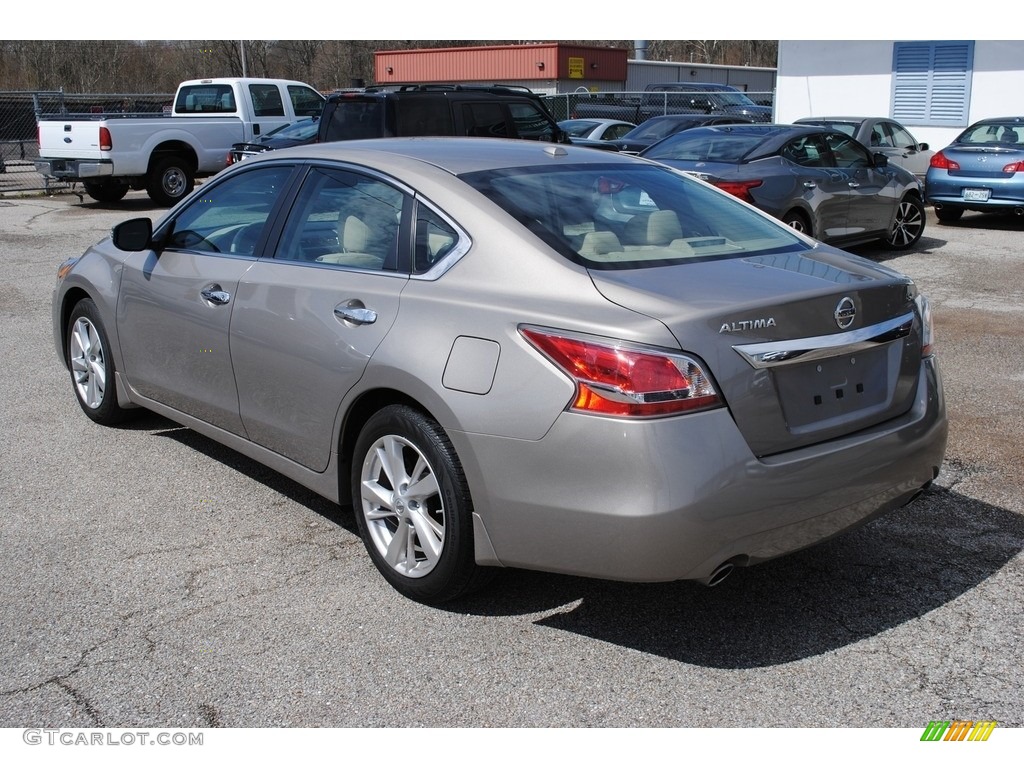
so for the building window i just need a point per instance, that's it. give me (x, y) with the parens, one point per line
(932, 82)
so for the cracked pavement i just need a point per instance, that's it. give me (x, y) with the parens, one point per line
(155, 579)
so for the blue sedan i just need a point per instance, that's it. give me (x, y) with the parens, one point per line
(982, 170)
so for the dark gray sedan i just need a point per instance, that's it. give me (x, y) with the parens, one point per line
(511, 354)
(817, 180)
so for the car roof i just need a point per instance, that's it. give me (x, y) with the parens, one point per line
(454, 154)
(990, 120)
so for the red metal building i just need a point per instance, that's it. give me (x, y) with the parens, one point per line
(542, 67)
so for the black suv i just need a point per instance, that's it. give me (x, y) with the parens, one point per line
(503, 111)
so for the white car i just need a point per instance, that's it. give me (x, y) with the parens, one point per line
(601, 130)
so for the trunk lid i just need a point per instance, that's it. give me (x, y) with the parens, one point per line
(804, 347)
(982, 161)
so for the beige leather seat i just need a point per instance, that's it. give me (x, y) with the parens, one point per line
(598, 244)
(658, 228)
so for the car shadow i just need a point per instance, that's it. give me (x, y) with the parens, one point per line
(849, 589)
(996, 222)
(895, 569)
(128, 205)
(880, 254)
(161, 427)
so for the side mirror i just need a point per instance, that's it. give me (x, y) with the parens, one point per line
(923, 147)
(132, 235)
(881, 161)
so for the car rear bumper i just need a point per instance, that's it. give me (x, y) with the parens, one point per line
(957, 191)
(74, 169)
(670, 499)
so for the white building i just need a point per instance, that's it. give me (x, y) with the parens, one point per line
(935, 88)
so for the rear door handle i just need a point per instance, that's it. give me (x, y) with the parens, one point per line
(810, 185)
(854, 184)
(215, 294)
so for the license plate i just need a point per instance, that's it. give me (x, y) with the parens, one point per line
(816, 392)
(980, 195)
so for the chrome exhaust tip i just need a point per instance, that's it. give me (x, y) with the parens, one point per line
(717, 576)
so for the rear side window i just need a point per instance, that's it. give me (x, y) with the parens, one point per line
(205, 98)
(345, 219)
(266, 100)
(485, 119)
(424, 117)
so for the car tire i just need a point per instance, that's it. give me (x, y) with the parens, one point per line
(947, 214)
(91, 365)
(797, 219)
(106, 191)
(413, 507)
(908, 226)
(169, 180)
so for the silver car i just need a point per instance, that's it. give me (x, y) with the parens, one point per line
(883, 135)
(511, 354)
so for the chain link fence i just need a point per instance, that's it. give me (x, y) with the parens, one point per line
(19, 137)
(637, 106)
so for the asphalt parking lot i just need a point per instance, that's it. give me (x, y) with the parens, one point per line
(155, 579)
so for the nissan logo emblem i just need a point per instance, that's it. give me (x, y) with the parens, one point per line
(845, 313)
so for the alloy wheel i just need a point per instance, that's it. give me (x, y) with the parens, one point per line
(402, 506)
(88, 363)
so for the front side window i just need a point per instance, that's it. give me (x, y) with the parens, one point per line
(900, 136)
(305, 101)
(847, 153)
(230, 217)
(531, 123)
(345, 219)
(611, 216)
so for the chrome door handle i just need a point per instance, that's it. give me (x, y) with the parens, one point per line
(810, 184)
(357, 315)
(853, 184)
(215, 295)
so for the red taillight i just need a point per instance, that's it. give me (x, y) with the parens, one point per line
(1014, 167)
(621, 379)
(740, 189)
(106, 143)
(939, 160)
(230, 160)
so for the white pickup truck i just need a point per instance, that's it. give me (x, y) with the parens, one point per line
(112, 153)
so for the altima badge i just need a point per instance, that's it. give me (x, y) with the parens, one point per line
(845, 313)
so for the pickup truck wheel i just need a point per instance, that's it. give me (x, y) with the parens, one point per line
(169, 180)
(108, 191)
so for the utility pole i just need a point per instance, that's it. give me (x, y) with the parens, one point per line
(241, 49)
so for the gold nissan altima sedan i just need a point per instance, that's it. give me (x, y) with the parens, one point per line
(510, 354)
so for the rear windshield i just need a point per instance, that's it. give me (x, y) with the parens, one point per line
(614, 216)
(658, 128)
(718, 147)
(993, 133)
(205, 98)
